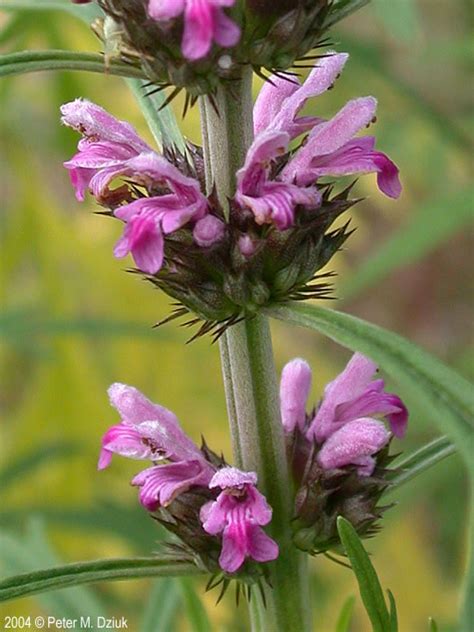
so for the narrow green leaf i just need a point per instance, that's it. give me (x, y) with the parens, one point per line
(195, 610)
(446, 396)
(369, 585)
(444, 216)
(94, 571)
(161, 609)
(161, 120)
(393, 612)
(345, 616)
(35, 61)
(416, 463)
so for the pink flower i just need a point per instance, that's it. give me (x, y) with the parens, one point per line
(204, 23)
(343, 427)
(112, 148)
(238, 513)
(279, 102)
(352, 395)
(149, 219)
(107, 146)
(271, 201)
(354, 444)
(149, 431)
(295, 384)
(329, 149)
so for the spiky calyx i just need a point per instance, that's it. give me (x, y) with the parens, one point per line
(324, 494)
(274, 37)
(226, 283)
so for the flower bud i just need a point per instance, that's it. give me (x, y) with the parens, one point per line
(208, 231)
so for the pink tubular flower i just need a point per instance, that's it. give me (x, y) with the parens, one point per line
(269, 200)
(149, 431)
(352, 395)
(204, 22)
(354, 444)
(111, 148)
(343, 426)
(104, 151)
(280, 101)
(330, 148)
(238, 513)
(149, 219)
(295, 384)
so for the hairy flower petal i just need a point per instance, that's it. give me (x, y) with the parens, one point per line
(97, 124)
(204, 23)
(137, 410)
(160, 484)
(295, 385)
(285, 111)
(358, 439)
(239, 512)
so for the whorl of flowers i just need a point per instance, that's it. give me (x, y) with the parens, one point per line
(198, 44)
(226, 511)
(221, 266)
(339, 451)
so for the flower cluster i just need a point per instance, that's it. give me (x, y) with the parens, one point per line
(220, 499)
(205, 22)
(338, 452)
(329, 149)
(224, 267)
(198, 44)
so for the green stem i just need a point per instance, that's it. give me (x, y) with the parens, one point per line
(250, 379)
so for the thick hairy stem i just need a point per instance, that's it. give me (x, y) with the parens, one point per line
(250, 379)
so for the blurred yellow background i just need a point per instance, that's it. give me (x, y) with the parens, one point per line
(73, 321)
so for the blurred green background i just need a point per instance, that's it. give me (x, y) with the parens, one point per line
(73, 321)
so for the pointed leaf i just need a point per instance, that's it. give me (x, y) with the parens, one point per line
(393, 612)
(425, 457)
(369, 585)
